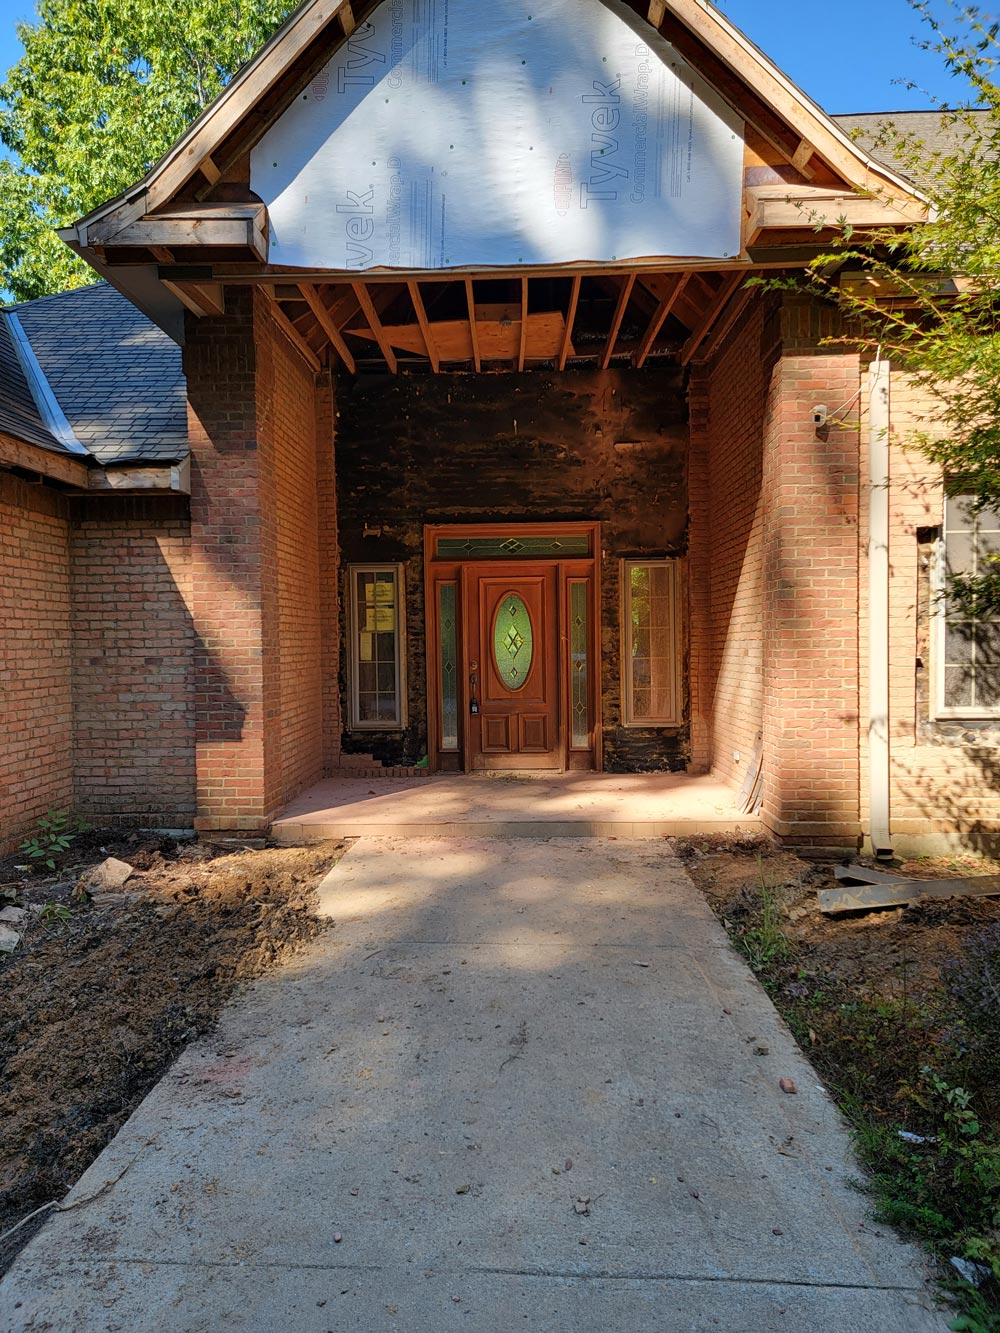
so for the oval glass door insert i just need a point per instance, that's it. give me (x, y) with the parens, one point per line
(512, 642)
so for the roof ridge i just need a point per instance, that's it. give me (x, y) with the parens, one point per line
(55, 296)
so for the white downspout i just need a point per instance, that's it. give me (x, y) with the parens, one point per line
(878, 606)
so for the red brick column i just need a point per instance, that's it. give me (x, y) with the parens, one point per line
(699, 583)
(329, 557)
(231, 604)
(811, 564)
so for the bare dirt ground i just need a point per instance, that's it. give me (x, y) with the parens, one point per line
(102, 993)
(870, 953)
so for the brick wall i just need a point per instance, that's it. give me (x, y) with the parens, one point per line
(35, 661)
(811, 482)
(774, 554)
(256, 559)
(729, 404)
(133, 742)
(944, 775)
(287, 405)
(329, 570)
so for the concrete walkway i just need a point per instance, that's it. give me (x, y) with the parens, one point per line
(397, 1131)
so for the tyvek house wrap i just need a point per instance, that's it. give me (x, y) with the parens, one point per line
(449, 133)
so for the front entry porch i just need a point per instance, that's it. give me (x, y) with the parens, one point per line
(515, 805)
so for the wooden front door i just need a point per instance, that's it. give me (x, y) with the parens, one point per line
(515, 714)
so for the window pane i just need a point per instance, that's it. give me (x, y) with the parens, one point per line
(449, 666)
(987, 687)
(652, 643)
(958, 643)
(578, 664)
(971, 648)
(957, 687)
(958, 513)
(375, 649)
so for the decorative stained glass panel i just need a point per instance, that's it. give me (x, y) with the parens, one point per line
(513, 642)
(512, 548)
(449, 666)
(578, 685)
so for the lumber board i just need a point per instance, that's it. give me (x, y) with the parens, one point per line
(16, 453)
(864, 890)
(259, 77)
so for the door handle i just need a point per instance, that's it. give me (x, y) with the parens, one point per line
(473, 701)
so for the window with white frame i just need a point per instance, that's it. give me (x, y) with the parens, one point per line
(651, 657)
(968, 648)
(377, 693)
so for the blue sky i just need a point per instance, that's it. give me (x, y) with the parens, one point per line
(846, 56)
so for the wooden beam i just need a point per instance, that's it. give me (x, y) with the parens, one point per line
(15, 453)
(243, 94)
(165, 477)
(736, 307)
(375, 324)
(347, 20)
(195, 226)
(425, 328)
(294, 337)
(161, 254)
(567, 342)
(717, 36)
(657, 13)
(624, 297)
(327, 323)
(470, 301)
(523, 345)
(807, 208)
(715, 309)
(201, 298)
(659, 317)
(210, 171)
(801, 159)
(245, 273)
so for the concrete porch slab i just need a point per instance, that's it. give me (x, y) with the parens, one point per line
(565, 805)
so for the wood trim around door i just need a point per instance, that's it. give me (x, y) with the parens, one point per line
(460, 573)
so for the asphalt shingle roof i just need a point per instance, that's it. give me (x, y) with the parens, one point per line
(19, 414)
(116, 376)
(929, 127)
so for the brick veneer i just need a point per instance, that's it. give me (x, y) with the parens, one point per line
(133, 734)
(774, 549)
(729, 401)
(811, 482)
(36, 720)
(256, 565)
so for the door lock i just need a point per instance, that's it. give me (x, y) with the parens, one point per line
(473, 678)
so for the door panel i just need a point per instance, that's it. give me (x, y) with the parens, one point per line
(514, 644)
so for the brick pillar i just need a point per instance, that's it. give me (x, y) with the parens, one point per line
(811, 562)
(329, 557)
(699, 586)
(232, 580)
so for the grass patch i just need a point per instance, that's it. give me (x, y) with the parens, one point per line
(916, 1070)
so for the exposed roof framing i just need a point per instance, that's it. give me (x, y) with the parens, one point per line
(512, 324)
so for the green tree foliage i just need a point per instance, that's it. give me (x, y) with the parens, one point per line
(943, 323)
(103, 89)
